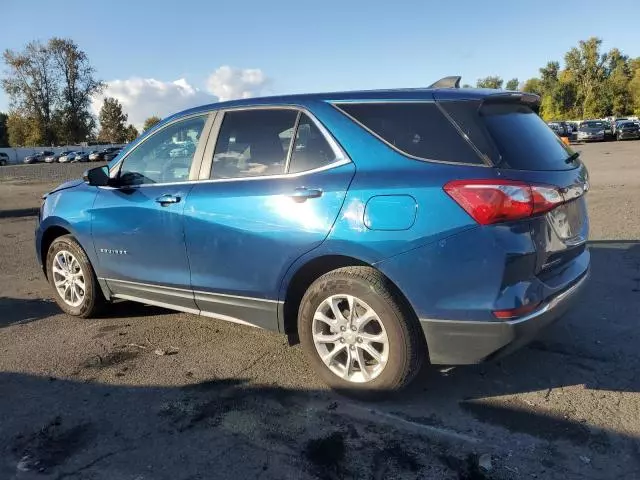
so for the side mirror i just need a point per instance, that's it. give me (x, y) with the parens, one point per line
(97, 177)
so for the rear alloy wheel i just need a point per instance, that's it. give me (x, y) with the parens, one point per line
(350, 338)
(358, 333)
(70, 273)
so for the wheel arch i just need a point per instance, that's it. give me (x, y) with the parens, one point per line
(48, 237)
(308, 273)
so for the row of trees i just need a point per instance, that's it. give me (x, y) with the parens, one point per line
(50, 88)
(592, 84)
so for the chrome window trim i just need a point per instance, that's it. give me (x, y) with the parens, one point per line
(329, 166)
(115, 169)
(199, 292)
(294, 136)
(336, 105)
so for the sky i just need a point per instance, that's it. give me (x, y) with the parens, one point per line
(158, 57)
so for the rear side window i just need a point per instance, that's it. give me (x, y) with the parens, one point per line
(416, 129)
(311, 149)
(523, 140)
(253, 143)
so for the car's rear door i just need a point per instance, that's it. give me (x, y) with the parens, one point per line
(276, 181)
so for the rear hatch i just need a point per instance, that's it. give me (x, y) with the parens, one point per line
(506, 130)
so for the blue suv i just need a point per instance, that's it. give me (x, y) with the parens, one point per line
(378, 228)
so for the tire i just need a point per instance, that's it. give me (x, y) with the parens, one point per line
(93, 300)
(405, 343)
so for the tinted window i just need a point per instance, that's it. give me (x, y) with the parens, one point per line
(253, 143)
(311, 149)
(418, 129)
(166, 156)
(523, 140)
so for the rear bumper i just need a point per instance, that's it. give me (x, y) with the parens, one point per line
(454, 342)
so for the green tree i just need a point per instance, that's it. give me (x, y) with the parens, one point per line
(78, 85)
(32, 85)
(512, 84)
(489, 82)
(23, 130)
(533, 85)
(4, 134)
(587, 67)
(113, 122)
(634, 85)
(150, 122)
(132, 133)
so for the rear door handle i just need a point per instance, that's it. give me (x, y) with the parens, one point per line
(167, 199)
(301, 194)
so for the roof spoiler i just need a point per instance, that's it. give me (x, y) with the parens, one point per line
(447, 82)
(513, 97)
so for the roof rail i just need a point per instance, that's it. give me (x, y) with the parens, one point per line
(447, 82)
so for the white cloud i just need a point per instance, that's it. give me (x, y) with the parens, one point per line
(143, 97)
(228, 83)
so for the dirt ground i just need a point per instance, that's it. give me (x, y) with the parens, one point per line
(93, 400)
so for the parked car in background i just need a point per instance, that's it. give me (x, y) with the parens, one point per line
(81, 157)
(4, 159)
(111, 153)
(608, 130)
(95, 156)
(38, 157)
(627, 130)
(592, 131)
(66, 156)
(377, 233)
(51, 158)
(91, 155)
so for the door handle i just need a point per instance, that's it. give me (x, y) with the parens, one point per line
(301, 194)
(167, 199)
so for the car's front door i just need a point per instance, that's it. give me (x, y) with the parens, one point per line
(277, 183)
(137, 225)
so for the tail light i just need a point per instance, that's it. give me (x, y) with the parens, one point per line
(494, 201)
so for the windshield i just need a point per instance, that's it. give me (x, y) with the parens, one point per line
(599, 125)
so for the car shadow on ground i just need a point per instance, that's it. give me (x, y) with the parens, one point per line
(228, 428)
(17, 311)
(19, 212)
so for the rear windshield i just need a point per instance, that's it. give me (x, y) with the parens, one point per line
(511, 134)
(418, 129)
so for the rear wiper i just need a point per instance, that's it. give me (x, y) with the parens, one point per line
(572, 157)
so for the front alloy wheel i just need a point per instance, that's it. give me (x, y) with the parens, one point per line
(68, 278)
(70, 273)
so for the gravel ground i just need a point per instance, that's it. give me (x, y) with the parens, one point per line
(92, 399)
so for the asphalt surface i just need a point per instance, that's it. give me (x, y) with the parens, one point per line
(94, 400)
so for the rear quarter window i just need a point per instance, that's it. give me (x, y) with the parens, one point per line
(417, 129)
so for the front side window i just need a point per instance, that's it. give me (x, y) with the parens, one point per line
(253, 143)
(166, 156)
(311, 149)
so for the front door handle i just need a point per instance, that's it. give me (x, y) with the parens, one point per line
(301, 194)
(167, 199)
